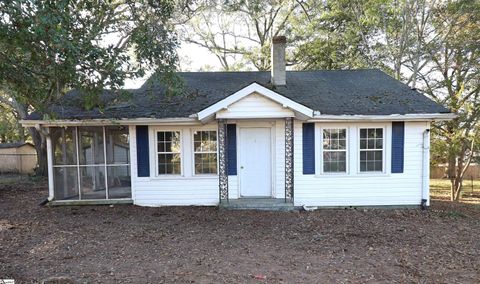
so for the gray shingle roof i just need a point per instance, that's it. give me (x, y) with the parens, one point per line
(344, 92)
(14, 145)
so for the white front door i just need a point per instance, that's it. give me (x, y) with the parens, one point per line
(255, 162)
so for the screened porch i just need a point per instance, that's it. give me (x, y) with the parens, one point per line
(90, 163)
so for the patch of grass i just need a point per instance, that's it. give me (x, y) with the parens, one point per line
(440, 188)
(455, 214)
(12, 179)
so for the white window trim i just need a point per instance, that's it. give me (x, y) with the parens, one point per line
(192, 145)
(384, 152)
(353, 149)
(155, 151)
(319, 149)
(186, 155)
(347, 152)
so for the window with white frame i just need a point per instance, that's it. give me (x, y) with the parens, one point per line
(334, 150)
(371, 149)
(169, 153)
(205, 151)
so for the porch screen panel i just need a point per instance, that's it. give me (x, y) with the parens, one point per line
(64, 147)
(118, 162)
(91, 145)
(65, 172)
(65, 183)
(91, 160)
(92, 182)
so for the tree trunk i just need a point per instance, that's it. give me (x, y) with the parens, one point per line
(459, 176)
(451, 175)
(39, 140)
(21, 133)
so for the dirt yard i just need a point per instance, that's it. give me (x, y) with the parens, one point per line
(129, 244)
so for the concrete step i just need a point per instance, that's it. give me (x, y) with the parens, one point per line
(264, 204)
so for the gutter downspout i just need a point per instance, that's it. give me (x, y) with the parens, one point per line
(425, 202)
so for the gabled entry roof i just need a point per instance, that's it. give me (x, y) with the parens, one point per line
(248, 90)
(344, 92)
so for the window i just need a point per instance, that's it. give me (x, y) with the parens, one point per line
(371, 150)
(205, 152)
(334, 150)
(168, 152)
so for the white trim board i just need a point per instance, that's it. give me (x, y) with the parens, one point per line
(390, 117)
(121, 121)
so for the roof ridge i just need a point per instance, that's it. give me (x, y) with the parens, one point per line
(293, 71)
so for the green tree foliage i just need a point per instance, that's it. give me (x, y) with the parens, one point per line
(10, 130)
(48, 47)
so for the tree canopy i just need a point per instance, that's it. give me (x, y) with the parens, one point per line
(48, 47)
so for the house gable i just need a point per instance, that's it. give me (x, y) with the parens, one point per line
(255, 105)
(238, 104)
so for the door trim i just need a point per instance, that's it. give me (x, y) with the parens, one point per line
(271, 127)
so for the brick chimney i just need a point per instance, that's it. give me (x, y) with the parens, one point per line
(279, 77)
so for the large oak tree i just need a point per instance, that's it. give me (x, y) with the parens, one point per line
(48, 47)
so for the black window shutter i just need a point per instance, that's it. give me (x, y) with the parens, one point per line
(308, 130)
(143, 159)
(232, 149)
(398, 145)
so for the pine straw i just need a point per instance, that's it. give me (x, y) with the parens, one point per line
(135, 244)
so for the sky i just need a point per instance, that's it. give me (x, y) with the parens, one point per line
(192, 58)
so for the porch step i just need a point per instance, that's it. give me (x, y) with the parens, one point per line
(264, 204)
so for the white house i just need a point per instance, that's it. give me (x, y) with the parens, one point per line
(278, 139)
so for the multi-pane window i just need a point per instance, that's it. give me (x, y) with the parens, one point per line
(334, 150)
(371, 149)
(168, 152)
(205, 152)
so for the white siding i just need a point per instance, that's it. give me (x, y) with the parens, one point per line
(187, 189)
(356, 189)
(255, 106)
(351, 189)
(233, 190)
